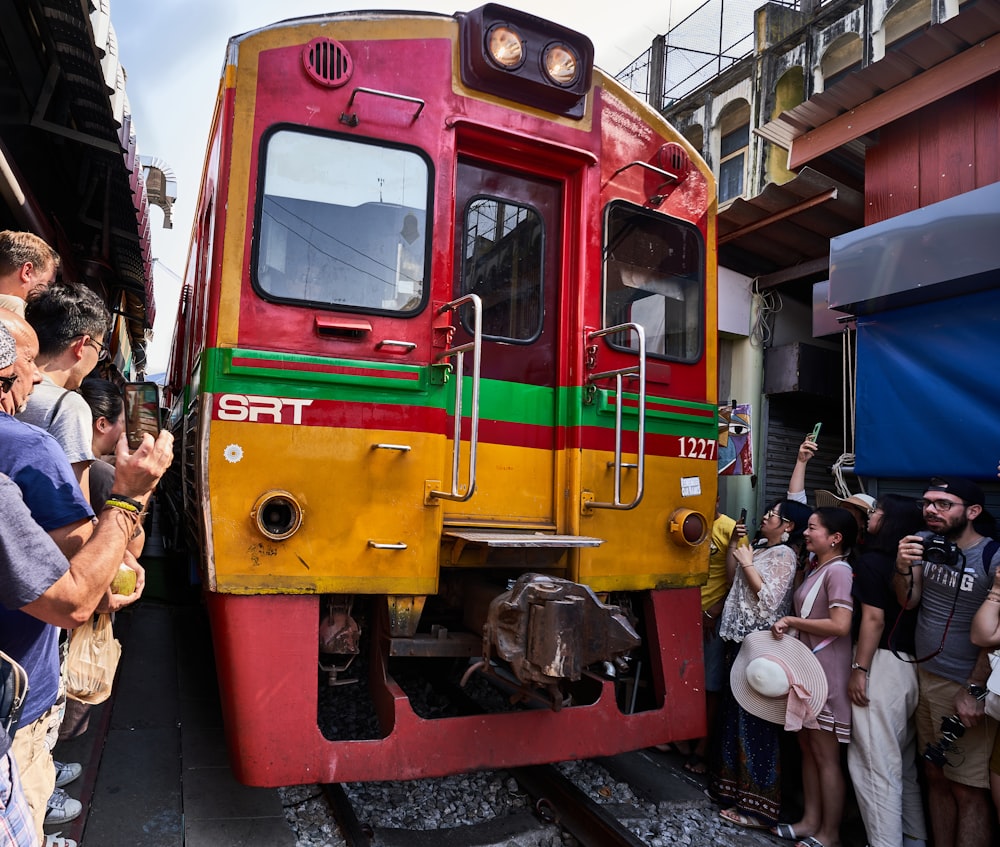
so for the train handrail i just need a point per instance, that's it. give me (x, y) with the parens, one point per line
(476, 346)
(640, 463)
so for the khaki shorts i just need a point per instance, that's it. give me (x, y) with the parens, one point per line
(968, 759)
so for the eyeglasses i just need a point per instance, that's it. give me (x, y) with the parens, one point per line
(773, 513)
(102, 351)
(939, 505)
(8, 381)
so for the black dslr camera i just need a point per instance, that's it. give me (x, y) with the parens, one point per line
(938, 550)
(951, 730)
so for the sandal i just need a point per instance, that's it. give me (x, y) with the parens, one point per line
(696, 765)
(809, 841)
(733, 815)
(784, 830)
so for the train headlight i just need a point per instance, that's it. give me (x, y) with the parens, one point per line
(525, 59)
(277, 514)
(687, 527)
(561, 64)
(505, 47)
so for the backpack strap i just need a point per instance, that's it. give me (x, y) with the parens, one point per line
(989, 551)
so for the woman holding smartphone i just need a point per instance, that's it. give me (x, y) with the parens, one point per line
(745, 774)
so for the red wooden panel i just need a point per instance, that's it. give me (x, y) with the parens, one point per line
(891, 186)
(947, 142)
(987, 131)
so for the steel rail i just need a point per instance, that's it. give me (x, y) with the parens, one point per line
(588, 822)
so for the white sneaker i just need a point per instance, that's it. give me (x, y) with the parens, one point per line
(56, 840)
(62, 808)
(66, 772)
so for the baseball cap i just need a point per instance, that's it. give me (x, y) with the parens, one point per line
(964, 489)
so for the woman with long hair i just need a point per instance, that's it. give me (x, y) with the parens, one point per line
(823, 609)
(745, 772)
(882, 757)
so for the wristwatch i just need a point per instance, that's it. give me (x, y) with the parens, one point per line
(857, 667)
(977, 691)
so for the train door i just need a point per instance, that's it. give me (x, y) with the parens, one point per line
(507, 251)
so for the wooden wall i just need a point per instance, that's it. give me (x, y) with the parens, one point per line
(935, 153)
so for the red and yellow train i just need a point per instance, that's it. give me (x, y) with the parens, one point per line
(444, 384)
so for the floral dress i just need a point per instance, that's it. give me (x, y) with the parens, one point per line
(744, 757)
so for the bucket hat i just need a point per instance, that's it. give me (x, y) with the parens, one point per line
(779, 680)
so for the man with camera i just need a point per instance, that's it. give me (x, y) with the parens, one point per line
(947, 571)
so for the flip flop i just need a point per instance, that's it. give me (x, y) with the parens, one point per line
(809, 841)
(784, 830)
(746, 821)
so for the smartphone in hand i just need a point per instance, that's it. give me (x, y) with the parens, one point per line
(814, 435)
(743, 517)
(142, 411)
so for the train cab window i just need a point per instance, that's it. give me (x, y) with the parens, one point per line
(502, 263)
(655, 277)
(342, 224)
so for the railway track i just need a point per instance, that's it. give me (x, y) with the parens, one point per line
(636, 800)
(557, 806)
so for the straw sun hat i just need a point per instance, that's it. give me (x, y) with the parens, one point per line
(779, 680)
(862, 502)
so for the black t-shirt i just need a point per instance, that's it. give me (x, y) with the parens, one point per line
(102, 475)
(873, 586)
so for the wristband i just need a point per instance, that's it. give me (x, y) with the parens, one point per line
(857, 667)
(125, 505)
(123, 499)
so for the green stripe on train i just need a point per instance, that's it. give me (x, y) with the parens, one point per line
(264, 373)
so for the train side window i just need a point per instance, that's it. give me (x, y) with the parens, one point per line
(502, 263)
(654, 275)
(342, 224)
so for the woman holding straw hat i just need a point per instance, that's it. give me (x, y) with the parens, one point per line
(744, 758)
(824, 607)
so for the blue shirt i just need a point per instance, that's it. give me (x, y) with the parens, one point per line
(34, 460)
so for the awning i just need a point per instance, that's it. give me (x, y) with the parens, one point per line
(922, 70)
(787, 228)
(67, 131)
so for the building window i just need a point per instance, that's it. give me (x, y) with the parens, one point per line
(732, 162)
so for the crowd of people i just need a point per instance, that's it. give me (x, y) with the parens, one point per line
(73, 498)
(864, 628)
(858, 625)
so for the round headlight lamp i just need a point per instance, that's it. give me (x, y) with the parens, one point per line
(505, 47)
(277, 514)
(687, 528)
(561, 64)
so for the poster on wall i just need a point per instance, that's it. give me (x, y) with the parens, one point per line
(735, 452)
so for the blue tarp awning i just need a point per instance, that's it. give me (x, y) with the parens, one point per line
(928, 389)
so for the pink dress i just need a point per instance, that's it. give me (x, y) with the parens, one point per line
(836, 655)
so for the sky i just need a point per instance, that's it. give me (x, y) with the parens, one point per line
(173, 50)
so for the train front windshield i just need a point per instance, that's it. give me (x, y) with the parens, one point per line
(342, 224)
(655, 277)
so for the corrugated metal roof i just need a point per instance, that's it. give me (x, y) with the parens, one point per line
(785, 238)
(976, 21)
(787, 225)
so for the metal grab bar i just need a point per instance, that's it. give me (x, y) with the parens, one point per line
(640, 463)
(476, 346)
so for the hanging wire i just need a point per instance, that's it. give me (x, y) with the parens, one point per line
(845, 463)
(768, 304)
